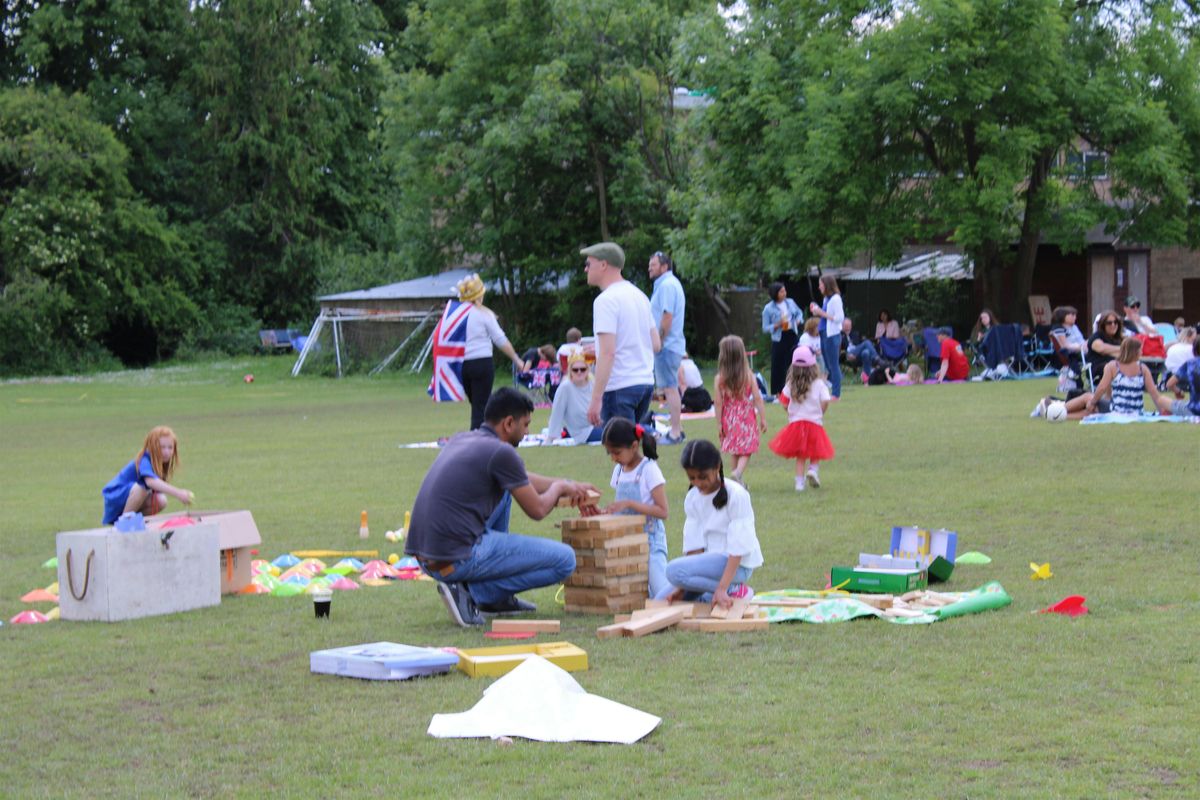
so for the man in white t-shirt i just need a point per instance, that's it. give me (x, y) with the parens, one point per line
(626, 339)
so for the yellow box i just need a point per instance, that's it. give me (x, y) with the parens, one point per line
(479, 662)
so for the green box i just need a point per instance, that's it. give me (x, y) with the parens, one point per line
(877, 581)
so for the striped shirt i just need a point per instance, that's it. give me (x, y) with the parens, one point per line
(1127, 393)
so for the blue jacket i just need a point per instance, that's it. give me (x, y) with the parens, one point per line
(771, 317)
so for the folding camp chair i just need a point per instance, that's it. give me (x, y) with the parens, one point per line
(1167, 331)
(1003, 351)
(894, 350)
(933, 350)
(1042, 352)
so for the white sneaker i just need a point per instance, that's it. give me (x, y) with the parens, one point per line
(799, 484)
(1039, 410)
(813, 479)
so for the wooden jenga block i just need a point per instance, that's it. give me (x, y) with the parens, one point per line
(657, 621)
(526, 625)
(614, 631)
(712, 625)
(735, 611)
(566, 502)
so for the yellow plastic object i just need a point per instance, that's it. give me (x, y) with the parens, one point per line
(491, 662)
(1040, 572)
(393, 558)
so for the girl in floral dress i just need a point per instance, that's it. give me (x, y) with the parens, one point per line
(739, 405)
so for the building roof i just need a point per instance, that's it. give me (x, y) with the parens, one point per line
(914, 269)
(430, 287)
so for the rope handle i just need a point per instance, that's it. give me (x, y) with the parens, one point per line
(87, 575)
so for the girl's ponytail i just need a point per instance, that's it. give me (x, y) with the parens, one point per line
(721, 498)
(649, 444)
(620, 432)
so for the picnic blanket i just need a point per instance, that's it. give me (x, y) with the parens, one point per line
(1126, 419)
(840, 608)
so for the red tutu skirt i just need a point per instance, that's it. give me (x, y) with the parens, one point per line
(803, 439)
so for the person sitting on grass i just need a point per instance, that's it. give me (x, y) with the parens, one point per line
(911, 377)
(954, 361)
(571, 403)
(459, 527)
(1188, 375)
(1126, 379)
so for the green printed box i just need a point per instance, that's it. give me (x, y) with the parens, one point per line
(877, 581)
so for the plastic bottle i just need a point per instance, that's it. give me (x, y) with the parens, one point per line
(363, 531)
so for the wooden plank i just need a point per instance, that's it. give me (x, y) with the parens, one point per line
(903, 612)
(527, 625)
(880, 601)
(735, 611)
(566, 502)
(661, 619)
(614, 631)
(729, 625)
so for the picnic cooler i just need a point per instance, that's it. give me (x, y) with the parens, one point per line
(109, 576)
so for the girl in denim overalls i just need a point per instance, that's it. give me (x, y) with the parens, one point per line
(641, 488)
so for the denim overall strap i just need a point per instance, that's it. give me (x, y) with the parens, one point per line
(632, 490)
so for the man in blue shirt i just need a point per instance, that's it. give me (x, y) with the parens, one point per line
(1188, 375)
(667, 308)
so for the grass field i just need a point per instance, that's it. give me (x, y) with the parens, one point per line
(220, 702)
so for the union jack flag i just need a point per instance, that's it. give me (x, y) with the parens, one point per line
(449, 351)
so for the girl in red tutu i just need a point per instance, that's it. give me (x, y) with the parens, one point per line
(804, 438)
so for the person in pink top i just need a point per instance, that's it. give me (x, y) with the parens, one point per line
(804, 439)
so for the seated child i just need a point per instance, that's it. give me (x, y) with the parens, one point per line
(912, 376)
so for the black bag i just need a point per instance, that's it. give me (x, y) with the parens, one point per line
(696, 399)
(878, 376)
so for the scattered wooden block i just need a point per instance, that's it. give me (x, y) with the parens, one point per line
(661, 618)
(526, 625)
(592, 497)
(903, 612)
(735, 611)
(614, 631)
(713, 625)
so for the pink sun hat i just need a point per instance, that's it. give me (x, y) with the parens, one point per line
(803, 355)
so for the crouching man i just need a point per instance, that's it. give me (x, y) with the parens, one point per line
(459, 526)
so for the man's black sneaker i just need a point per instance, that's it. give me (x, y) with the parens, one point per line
(459, 603)
(513, 605)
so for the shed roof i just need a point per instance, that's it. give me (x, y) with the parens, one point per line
(915, 269)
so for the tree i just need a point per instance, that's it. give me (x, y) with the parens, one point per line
(82, 259)
(520, 130)
(863, 126)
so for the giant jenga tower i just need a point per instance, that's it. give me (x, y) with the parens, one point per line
(612, 554)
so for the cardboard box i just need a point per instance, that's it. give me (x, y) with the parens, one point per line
(108, 576)
(237, 534)
(494, 661)
(877, 581)
(381, 661)
(933, 551)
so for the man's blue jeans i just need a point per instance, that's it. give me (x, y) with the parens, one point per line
(632, 403)
(865, 354)
(502, 564)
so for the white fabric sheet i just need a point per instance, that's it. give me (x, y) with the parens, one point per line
(541, 701)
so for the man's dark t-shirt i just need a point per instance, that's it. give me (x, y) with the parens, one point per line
(461, 490)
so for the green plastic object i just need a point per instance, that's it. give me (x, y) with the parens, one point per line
(990, 597)
(287, 590)
(973, 557)
(853, 579)
(51, 564)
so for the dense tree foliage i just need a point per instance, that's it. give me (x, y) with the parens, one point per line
(521, 130)
(842, 128)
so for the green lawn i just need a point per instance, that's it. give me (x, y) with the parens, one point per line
(220, 702)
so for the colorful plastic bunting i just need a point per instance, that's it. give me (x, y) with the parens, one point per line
(343, 584)
(286, 560)
(39, 596)
(353, 563)
(29, 618)
(254, 588)
(287, 590)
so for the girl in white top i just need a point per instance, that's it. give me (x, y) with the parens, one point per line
(641, 489)
(720, 546)
(483, 332)
(811, 337)
(804, 438)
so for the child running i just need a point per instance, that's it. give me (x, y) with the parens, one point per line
(804, 438)
(720, 546)
(142, 484)
(739, 405)
(641, 489)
